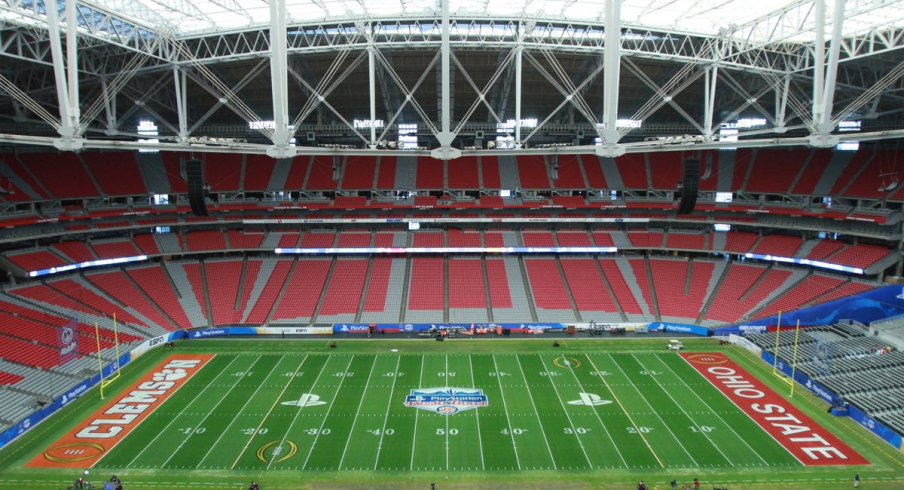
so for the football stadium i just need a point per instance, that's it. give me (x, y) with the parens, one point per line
(451, 244)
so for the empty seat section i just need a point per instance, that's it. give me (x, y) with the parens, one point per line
(639, 269)
(156, 285)
(466, 287)
(500, 296)
(45, 294)
(9, 379)
(546, 285)
(118, 286)
(492, 202)
(633, 171)
(114, 249)
(37, 260)
(860, 256)
(602, 239)
(359, 173)
(264, 304)
(343, 291)
(823, 249)
(223, 285)
(318, 240)
(676, 294)
(246, 289)
(816, 167)
(429, 174)
(353, 240)
(538, 239)
(570, 176)
(805, 291)
(573, 239)
(428, 239)
(384, 239)
(201, 241)
(88, 297)
(743, 161)
(591, 296)
(146, 244)
(174, 172)
(742, 290)
(681, 241)
(116, 173)
(23, 173)
(459, 238)
(709, 175)
(593, 172)
(302, 291)
(298, 171)
(848, 289)
(425, 291)
(862, 183)
(739, 242)
(321, 175)
(375, 297)
(569, 202)
(779, 245)
(62, 174)
(289, 240)
(775, 170)
(640, 239)
(532, 170)
(462, 173)
(258, 172)
(223, 171)
(666, 170)
(245, 240)
(387, 174)
(27, 353)
(193, 276)
(489, 167)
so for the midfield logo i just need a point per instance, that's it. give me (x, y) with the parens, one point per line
(306, 400)
(590, 400)
(445, 400)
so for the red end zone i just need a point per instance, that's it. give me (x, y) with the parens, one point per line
(798, 434)
(97, 435)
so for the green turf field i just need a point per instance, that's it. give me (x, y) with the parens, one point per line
(587, 414)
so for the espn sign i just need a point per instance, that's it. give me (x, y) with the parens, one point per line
(92, 439)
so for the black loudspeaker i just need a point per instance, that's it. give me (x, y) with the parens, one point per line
(689, 186)
(194, 176)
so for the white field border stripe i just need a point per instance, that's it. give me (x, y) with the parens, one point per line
(241, 410)
(691, 419)
(744, 371)
(597, 413)
(212, 407)
(395, 377)
(742, 439)
(447, 417)
(360, 404)
(275, 401)
(173, 419)
(483, 465)
(507, 418)
(617, 365)
(325, 416)
(565, 409)
(536, 412)
(416, 412)
(627, 414)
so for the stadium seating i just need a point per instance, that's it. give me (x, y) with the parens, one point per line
(273, 285)
(426, 289)
(550, 295)
(302, 291)
(680, 287)
(343, 292)
(223, 172)
(533, 173)
(466, 287)
(223, 279)
(591, 296)
(258, 173)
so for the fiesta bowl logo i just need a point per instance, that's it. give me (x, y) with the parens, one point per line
(445, 400)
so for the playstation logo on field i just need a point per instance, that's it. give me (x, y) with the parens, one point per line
(590, 400)
(306, 400)
(445, 400)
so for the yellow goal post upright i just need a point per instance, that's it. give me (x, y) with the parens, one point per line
(100, 362)
(789, 380)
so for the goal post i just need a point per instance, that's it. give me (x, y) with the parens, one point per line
(100, 362)
(778, 373)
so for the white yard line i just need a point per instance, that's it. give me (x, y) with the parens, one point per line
(325, 416)
(267, 415)
(240, 411)
(360, 404)
(600, 419)
(696, 425)
(416, 412)
(703, 403)
(483, 464)
(655, 412)
(174, 419)
(565, 409)
(388, 407)
(537, 413)
(210, 411)
(447, 417)
(505, 408)
(627, 414)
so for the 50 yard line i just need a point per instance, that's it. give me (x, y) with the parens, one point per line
(414, 433)
(483, 465)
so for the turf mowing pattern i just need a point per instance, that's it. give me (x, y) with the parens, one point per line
(661, 414)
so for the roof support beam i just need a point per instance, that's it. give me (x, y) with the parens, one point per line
(611, 66)
(181, 102)
(824, 125)
(518, 54)
(711, 76)
(279, 80)
(445, 135)
(68, 121)
(372, 92)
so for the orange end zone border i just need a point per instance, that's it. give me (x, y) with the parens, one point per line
(92, 439)
(811, 444)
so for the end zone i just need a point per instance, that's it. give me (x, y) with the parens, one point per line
(798, 434)
(94, 437)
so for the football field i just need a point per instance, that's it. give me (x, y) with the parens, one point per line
(505, 412)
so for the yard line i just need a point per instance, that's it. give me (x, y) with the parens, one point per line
(596, 412)
(239, 412)
(447, 417)
(278, 398)
(416, 412)
(174, 419)
(388, 406)
(360, 404)
(744, 440)
(534, 405)
(564, 409)
(697, 426)
(483, 465)
(654, 410)
(201, 423)
(505, 408)
(325, 416)
(636, 428)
